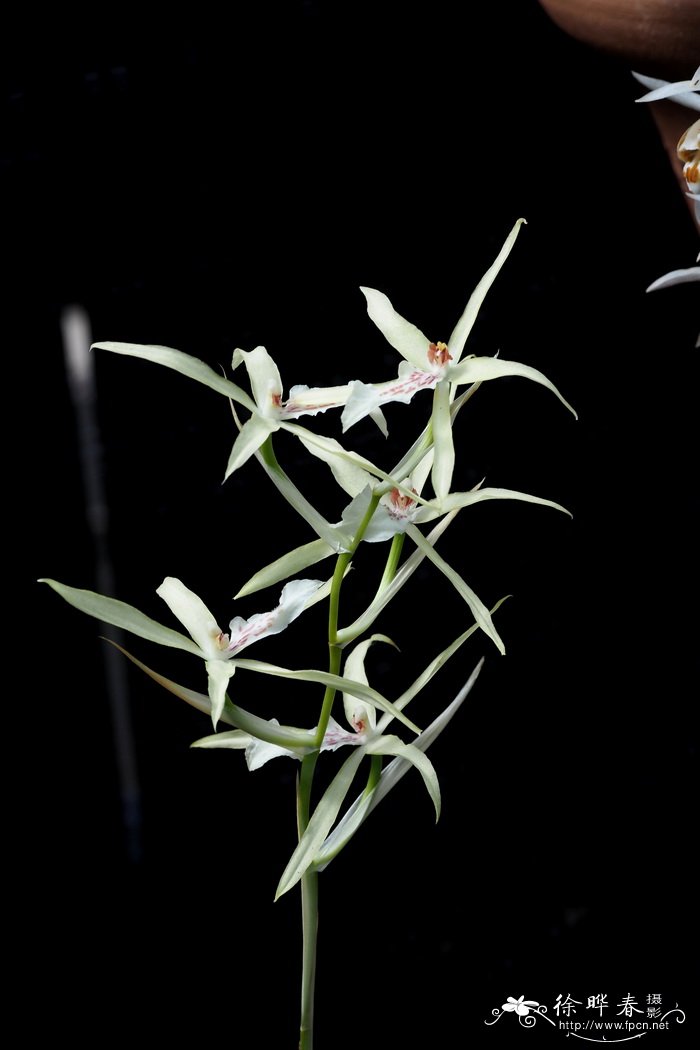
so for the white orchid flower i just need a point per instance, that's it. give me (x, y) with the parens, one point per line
(207, 639)
(682, 91)
(218, 648)
(429, 365)
(272, 412)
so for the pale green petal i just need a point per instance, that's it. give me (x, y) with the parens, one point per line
(684, 276)
(466, 499)
(236, 740)
(329, 447)
(300, 740)
(119, 614)
(188, 366)
(253, 434)
(321, 822)
(350, 476)
(391, 775)
(360, 714)
(219, 673)
(264, 378)
(392, 745)
(364, 692)
(431, 670)
(400, 333)
(193, 614)
(444, 449)
(466, 321)
(419, 474)
(481, 613)
(289, 564)
(480, 369)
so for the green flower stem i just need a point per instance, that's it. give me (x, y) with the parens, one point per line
(309, 910)
(392, 562)
(309, 881)
(334, 607)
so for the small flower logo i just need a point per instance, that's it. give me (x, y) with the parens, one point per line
(519, 1006)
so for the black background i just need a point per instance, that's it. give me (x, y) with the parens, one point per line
(207, 185)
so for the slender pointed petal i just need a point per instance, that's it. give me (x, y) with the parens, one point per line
(680, 91)
(193, 614)
(398, 332)
(364, 692)
(119, 614)
(392, 745)
(188, 366)
(692, 273)
(391, 775)
(467, 499)
(219, 672)
(329, 448)
(431, 670)
(481, 613)
(321, 822)
(264, 377)
(363, 401)
(253, 434)
(381, 600)
(444, 449)
(466, 321)
(480, 369)
(299, 740)
(290, 564)
(345, 465)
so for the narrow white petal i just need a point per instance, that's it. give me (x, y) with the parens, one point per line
(479, 610)
(466, 322)
(119, 614)
(253, 434)
(480, 369)
(188, 366)
(193, 614)
(264, 378)
(444, 449)
(292, 601)
(289, 564)
(219, 672)
(675, 277)
(400, 333)
(350, 476)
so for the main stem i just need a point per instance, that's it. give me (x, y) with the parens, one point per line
(309, 910)
(309, 881)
